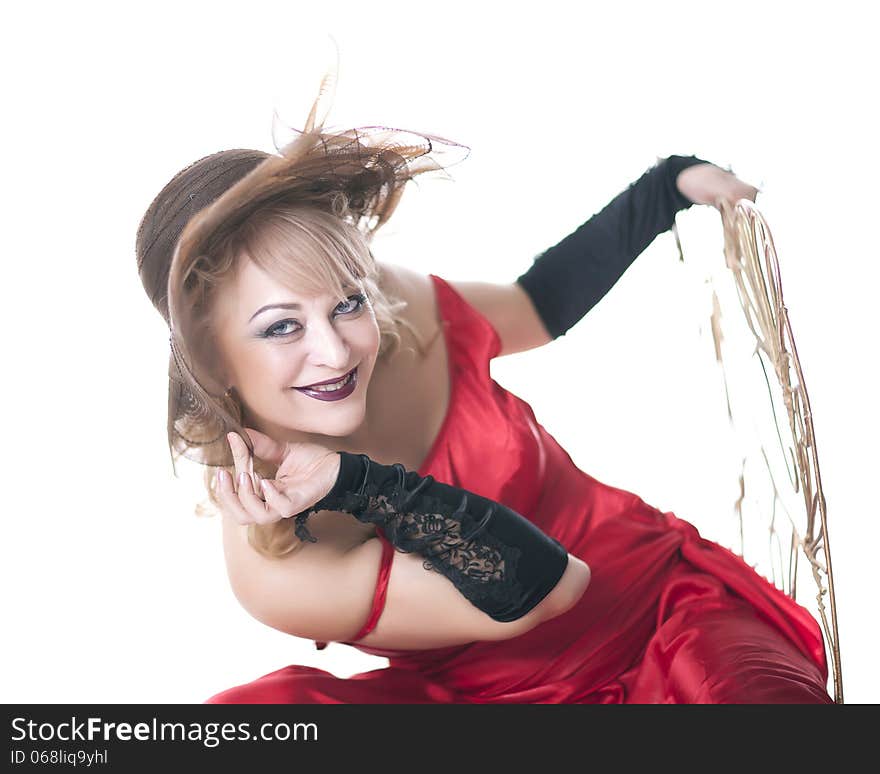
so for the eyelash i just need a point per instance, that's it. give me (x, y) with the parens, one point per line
(267, 334)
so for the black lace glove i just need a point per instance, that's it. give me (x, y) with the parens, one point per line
(501, 562)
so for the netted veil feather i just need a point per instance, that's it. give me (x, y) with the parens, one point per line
(357, 174)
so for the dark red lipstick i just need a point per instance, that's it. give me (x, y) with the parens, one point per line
(331, 395)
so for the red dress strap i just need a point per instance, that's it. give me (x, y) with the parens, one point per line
(378, 596)
(471, 342)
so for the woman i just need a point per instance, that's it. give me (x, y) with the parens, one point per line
(389, 494)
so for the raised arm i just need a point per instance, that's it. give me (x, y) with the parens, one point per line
(570, 278)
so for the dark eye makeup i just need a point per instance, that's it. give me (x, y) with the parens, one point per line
(276, 330)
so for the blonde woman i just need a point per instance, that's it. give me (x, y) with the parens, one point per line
(378, 488)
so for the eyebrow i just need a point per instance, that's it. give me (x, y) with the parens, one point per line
(291, 305)
(274, 306)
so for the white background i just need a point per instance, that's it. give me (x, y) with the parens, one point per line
(113, 591)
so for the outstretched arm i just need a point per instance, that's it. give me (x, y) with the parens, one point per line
(570, 278)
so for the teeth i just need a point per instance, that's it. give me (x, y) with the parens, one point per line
(335, 386)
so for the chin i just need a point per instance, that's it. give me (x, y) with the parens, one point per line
(339, 429)
(337, 426)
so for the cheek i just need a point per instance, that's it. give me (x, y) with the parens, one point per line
(375, 338)
(265, 368)
(363, 338)
(374, 332)
(285, 366)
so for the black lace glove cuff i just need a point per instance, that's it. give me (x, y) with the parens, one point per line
(499, 560)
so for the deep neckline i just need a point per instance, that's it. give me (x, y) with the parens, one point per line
(451, 368)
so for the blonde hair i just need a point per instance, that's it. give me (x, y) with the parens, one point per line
(315, 252)
(306, 216)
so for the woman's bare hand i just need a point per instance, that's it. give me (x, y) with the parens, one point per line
(708, 184)
(306, 473)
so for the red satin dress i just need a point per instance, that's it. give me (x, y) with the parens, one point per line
(668, 617)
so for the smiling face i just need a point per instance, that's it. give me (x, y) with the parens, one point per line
(272, 341)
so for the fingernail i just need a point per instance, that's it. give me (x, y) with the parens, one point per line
(242, 478)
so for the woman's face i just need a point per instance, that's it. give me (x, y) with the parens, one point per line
(274, 342)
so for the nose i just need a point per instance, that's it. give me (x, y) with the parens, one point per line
(327, 349)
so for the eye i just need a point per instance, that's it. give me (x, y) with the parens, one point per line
(358, 298)
(278, 329)
(281, 328)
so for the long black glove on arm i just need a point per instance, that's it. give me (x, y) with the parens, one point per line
(570, 278)
(499, 560)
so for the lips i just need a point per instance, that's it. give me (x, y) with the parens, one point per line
(334, 394)
(326, 381)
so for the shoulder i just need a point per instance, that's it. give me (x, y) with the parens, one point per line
(509, 310)
(506, 306)
(416, 289)
(406, 284)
